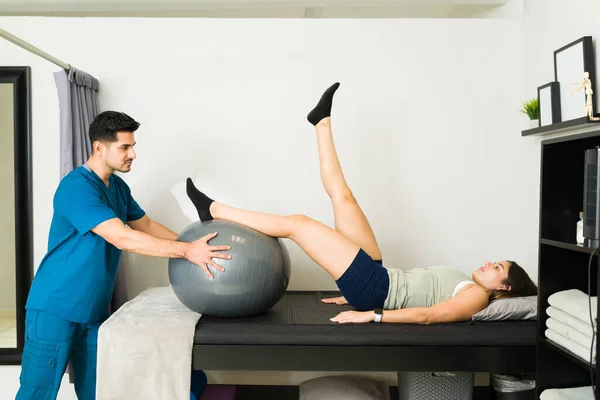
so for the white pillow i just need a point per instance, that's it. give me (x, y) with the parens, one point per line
(344, 388)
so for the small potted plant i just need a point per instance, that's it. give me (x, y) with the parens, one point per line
(531, 108)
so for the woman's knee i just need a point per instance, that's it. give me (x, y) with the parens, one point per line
(342, 194)
(299, 221)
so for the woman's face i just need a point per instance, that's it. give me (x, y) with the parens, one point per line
(492, 275)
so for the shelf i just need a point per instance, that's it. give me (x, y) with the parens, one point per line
(559, 349)
(563, 264)
(569, 246)
(579, 123)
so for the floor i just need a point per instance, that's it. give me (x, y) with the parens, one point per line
(244, 392)
(8, 333)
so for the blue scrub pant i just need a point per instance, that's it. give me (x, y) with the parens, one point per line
(198, 385)
(50, 343)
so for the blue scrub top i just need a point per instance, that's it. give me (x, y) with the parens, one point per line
(76, 277)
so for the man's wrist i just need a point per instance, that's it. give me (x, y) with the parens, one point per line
(185, 249)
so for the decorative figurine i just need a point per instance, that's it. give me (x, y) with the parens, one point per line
(587, 84)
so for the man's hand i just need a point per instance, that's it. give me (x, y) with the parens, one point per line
(201, 253)
(357, 317)
(335, 300)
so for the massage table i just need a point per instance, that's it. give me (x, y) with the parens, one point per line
(297, 335)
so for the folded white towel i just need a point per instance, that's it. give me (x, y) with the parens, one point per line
(145, 349)
(571, 321)
(575, 348)
(576, 303)
(570, 333)
(577, 393)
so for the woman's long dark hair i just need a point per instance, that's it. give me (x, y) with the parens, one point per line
(520, 284)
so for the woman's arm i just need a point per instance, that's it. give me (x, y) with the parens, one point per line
(459, 308)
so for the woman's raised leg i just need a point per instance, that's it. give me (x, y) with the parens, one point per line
(350, 220)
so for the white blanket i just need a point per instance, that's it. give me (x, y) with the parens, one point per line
(578, 393)
(570, 333)
(576, 303)
(575, 348)
(145, 349)
(571, 321)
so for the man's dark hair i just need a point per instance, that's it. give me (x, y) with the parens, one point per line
(105, 126)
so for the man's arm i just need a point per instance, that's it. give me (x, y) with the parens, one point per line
(199, 252)
(153, 228)
(87, 212)
(138, 219)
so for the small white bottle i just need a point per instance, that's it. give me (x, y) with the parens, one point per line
(580, 229)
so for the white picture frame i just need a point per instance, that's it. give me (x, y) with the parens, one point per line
(549, 104)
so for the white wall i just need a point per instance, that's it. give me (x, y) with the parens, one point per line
(425, 124)
(550, 25)
(547, 26)
(7, 203)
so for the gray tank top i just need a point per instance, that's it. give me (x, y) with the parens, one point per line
(422, 287)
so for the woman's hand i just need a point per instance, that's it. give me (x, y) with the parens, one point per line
(357, 317)
(335, 300)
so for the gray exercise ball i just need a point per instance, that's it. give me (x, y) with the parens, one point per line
(254, 279)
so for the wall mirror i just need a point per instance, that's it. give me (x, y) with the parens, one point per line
(16, 246)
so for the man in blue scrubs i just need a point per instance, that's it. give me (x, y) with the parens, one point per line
(95, 217)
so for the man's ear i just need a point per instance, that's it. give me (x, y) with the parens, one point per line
(97, 146)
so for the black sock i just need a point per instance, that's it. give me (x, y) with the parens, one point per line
(323, 108)
(201, 201)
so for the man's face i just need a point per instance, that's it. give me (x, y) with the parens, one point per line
(120, 154)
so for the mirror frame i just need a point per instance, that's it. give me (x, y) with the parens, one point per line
(20, 77)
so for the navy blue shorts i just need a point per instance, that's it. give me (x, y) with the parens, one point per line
(365, 283)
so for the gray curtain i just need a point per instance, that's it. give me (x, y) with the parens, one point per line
(78, 102)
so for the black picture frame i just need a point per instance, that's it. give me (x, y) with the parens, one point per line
(570, 63)
(20, 77)
(549, 103)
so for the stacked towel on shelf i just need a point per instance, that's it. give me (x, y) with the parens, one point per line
(569, 322)
(576, 303)
(575, 323)
(577, 393)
